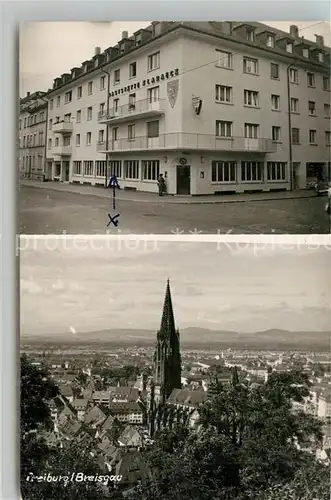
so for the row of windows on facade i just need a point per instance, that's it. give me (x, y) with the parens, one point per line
(153, 62)
(152, 96)
(33, 140)
(224, 60)
(221, 171)
(224, 94)
(249, 171)
(224, 129)
(36, 161)
(150, 169)
(29, 121)
(152, 130)
(250, 36)
(251, 66)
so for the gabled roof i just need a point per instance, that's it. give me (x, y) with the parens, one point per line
(129, 393)
(187, 398)
(130, 437)
(107, 423)
(101, 395)
(95, 415)
(80, 403)
(66, 390)
(71, 429)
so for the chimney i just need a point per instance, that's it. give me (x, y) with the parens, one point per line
(319, 40)
(28, 94)
(294, 31)
(97, 51)
(125, 35)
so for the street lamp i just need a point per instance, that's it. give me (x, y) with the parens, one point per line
(289, 124)
(107, 127)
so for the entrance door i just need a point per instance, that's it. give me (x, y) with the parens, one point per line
(183, 179)
(66, 173)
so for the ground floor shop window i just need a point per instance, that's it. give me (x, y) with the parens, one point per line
(131, 169)
(151, 170)
(251, 171)
(88, 168)
(277, 171)
(115, 168)
(224, 171)
(100, 168)
(77, 169)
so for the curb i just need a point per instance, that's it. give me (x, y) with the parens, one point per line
(174, 201)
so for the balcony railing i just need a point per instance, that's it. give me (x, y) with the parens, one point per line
(62, 127)
(61, 151)
(145, 107)
(180, 140)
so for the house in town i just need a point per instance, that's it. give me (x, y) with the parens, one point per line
(207, 104)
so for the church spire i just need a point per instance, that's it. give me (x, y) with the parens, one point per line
(167, 368)
(168, 320)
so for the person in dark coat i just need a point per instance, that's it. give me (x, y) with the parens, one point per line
(161, 185)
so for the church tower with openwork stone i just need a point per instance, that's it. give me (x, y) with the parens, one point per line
(167, 359)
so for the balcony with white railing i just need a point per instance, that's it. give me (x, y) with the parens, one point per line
(61, 150)
(200, 142)
(63, 127)
(135, 110)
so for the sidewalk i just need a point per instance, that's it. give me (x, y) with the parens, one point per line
(143, 197)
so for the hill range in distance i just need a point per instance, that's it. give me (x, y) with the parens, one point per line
(190, 337)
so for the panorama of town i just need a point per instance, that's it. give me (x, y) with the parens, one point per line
(114, 403)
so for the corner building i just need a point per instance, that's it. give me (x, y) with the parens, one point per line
(214, 106)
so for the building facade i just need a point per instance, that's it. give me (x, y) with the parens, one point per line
(32, 135)
(213, 106)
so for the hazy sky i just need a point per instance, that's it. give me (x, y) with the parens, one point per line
(49, 49)
(216, 288)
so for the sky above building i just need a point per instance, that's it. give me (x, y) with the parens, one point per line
(44, 54)
(88, 285)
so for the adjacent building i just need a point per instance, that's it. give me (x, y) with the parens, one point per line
(32, 135)
(214, 106)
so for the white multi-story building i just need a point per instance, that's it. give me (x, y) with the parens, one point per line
(214, 106)
(32, 135)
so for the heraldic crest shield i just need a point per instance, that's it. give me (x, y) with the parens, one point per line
(172, 90)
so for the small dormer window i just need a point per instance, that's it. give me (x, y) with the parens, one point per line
(270, 41)
(96, 62)
(122, 49)
(305, 53)
(138, 40)
(321, 57)
(289, 48)
(250, 35)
